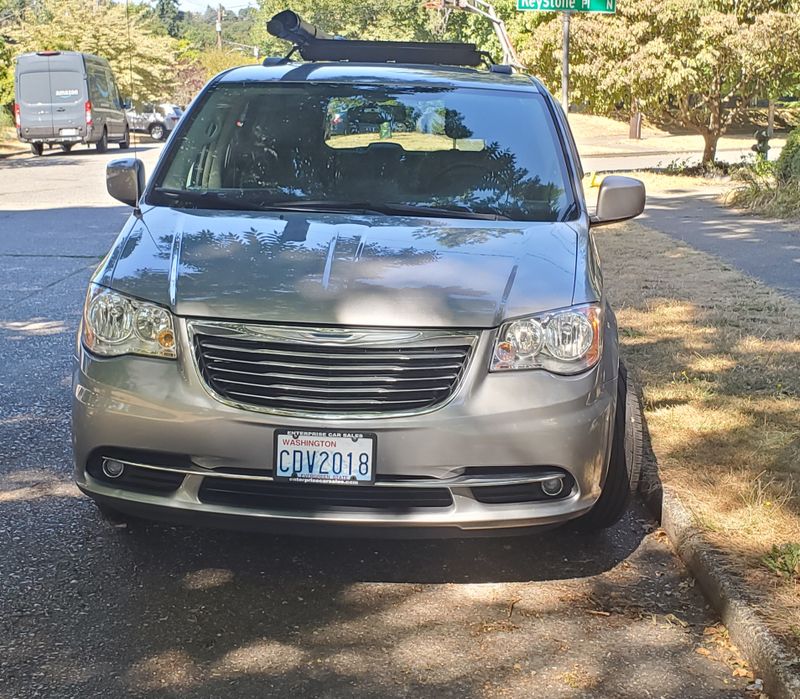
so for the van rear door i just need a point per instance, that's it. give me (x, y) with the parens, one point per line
(35, 103)
(68, 100)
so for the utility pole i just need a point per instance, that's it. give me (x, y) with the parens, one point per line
(219, 27)
(565, 62)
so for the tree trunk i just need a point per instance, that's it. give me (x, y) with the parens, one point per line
(710, 139)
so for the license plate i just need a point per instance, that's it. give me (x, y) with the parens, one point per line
(342, 458)
(68, 132)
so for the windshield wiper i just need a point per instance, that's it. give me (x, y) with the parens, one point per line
(387, 209)
(205, 199)
(211, 199)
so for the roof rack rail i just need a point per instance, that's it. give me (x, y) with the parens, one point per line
(315, 45)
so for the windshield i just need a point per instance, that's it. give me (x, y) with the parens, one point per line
(385, 149)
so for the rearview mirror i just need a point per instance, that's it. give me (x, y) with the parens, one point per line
(125, 180)
(619, 199)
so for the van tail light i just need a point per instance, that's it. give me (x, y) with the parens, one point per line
(17, 119)
(88, 108)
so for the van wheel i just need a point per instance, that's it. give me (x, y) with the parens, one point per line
(37, 148)
(157, 132)
(66, 147)
(125, 143)
(625, 463)
(102, 144)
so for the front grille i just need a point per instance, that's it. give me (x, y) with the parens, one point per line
(302, 497)
(305, 377)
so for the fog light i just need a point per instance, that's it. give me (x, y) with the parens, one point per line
(552, 487)
(112, 468)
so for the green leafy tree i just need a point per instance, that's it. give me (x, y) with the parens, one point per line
(215, 61)
(168, 15)
(694, 64)
(143, 64)
(403, 20)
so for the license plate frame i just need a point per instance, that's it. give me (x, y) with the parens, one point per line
(303, 440)
(68, 132)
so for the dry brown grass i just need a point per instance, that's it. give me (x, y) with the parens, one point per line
(8, 140)
(718, 357)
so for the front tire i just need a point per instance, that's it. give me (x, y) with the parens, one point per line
(37, 148)
(66, 147)
(102, 144)
(625, 463)
(157, 132)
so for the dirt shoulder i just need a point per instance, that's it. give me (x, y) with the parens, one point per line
(718, 356)
(9, 144)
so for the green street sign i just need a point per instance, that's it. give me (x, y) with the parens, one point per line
(605, 6)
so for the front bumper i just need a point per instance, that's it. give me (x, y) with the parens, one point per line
(517, 425)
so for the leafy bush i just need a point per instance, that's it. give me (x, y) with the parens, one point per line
(787, 167)
(784, 561)
(6, 120)
(759, 189)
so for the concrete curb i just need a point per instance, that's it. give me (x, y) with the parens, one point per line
(771, 660)
(10, 153)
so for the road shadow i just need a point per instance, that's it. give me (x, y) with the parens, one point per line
(550, 554)
(56, 156)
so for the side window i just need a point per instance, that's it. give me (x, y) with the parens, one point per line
(113, 93)
(101, 89)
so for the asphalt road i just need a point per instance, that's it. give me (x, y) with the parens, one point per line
(88, 609)
(764, 249)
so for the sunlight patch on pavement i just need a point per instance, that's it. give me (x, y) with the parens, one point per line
(262, 657)
(207, 578)
(35, 326)
(40, 490)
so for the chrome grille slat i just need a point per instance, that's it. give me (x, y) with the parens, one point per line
(358, 373)
(362, 367)
(359, 402)
(387, 355)
(364, 378)
(325, 389)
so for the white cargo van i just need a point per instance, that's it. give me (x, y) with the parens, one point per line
(64, 98)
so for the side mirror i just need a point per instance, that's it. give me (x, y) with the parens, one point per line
(619, 199)
(125, 180)
(126, 104)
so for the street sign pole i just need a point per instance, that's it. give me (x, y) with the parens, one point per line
(566, 8)
(565, 61)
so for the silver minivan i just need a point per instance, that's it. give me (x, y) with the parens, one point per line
(399, 325)
(64, 97)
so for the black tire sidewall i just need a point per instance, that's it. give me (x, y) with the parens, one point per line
(102, 144)
(625, 460)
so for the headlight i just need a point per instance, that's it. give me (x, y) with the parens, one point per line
(115, 324)
(564, 342)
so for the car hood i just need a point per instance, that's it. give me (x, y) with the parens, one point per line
(344, 269)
